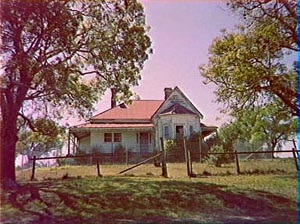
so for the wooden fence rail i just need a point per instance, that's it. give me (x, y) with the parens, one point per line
(141, 163)
(294, 151)
(250, 152)
(67, 157)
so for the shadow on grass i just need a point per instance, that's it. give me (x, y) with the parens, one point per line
(133, 200)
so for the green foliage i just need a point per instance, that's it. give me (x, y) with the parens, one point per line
(105, 40)
(271, 124)
(46, 136)
(249, 66)
(218, 159)
(61, 56)
(255, 77)
(47, 127)
(227, 135)
(283, 15)
(170, 145)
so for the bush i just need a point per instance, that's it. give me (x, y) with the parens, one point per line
(218, 159)
(170, 145)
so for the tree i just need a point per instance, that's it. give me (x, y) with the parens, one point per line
(223, 142)
(249, 66)
(282, 13)
(47, 135)
(270, 125)
(49, 47)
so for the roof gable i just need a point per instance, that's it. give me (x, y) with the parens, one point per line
(178, 99)
(137, 110)
(177, 109)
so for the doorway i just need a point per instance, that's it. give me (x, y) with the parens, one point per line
(144, 142)
(179, 131)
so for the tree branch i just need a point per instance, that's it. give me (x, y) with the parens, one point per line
(28, 121)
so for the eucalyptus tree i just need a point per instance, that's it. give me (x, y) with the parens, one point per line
(282, 13)
(271, 125)
(252, 66)
(59, 56)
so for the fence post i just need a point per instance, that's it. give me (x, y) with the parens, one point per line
(237, 162)
(69, 142)
(200, 147)
(191, 163)
(164, 159)
(186, 157)
(126, 156)
(294, 142)
(295, 159)
(33, 168)
(98, 169)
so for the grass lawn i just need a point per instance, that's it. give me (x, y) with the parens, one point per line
(268, 195)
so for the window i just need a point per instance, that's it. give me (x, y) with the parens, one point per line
(117, 137)
(107, 137)
(191, 130)
(166, 132)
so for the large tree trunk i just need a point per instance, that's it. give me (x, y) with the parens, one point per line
(274, 144)
(8, 150)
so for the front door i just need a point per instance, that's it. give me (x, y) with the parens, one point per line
(144, 140)
(179, 131)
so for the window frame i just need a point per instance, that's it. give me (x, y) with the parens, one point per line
(179, 127)
(192, 130)
(118, 137)
(108, 137)
(166, 134)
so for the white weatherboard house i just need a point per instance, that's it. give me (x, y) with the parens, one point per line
(139, 126)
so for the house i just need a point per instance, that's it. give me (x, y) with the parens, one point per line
(138, 126)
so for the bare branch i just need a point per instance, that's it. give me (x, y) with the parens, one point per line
(28, 121)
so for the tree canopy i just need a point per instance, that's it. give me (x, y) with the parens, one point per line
(48, 135)
(49, 47)
(282, 13)
(269, 126)
(249, 66)
(255, 78)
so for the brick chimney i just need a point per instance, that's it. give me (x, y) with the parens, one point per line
(168, 92)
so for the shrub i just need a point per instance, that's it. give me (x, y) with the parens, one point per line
(170, 145)
(218, 159)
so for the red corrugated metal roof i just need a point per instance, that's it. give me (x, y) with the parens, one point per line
(137, 110)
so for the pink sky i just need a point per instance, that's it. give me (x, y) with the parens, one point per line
(181, 33)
